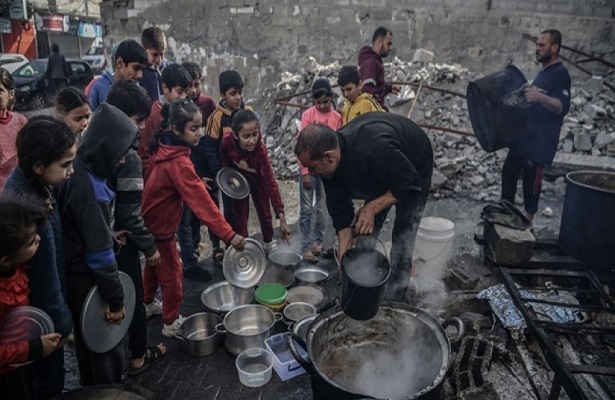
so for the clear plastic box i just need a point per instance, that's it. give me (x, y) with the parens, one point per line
(284, 363)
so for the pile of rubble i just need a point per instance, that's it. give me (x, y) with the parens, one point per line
(462, 167)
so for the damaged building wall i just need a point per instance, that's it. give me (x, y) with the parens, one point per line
(261, 39)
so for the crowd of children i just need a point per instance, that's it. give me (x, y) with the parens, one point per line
(111, 180)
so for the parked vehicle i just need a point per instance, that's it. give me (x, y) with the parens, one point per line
(32, 89)
(96, 58)
(11, 62)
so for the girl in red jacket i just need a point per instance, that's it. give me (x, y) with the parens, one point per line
(171, 181)
(244, 150)
(19, 223)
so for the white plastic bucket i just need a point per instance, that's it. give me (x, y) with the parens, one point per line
(432, 248)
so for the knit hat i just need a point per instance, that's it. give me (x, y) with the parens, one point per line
(321, 86)
(229, 79)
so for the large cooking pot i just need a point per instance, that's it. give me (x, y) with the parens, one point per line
(222, 297)
(247, 327)
(401, 353)
(198, 334)
(587, 231)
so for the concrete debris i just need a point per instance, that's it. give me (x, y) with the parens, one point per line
(422, 55)
(547, 212)
(462, 167)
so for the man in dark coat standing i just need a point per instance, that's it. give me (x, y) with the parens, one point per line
(57, 73)
(381, 158)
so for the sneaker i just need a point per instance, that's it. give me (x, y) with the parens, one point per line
(271, 246)
(309, 257)
(170, 330)
(198, 274)
(153, 308)
(316, 249)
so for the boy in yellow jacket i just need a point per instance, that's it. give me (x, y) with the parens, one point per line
(358, 103)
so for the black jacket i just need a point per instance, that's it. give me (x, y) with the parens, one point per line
(380, 152)
(86, 203)
(127, 183)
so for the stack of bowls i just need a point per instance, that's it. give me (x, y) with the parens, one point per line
(272, 295)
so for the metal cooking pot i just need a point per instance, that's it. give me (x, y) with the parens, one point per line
(311, 275)
(401, 353)
(199, 335)
(278, 275)
(247, 327)
(222, 297)
(285, 258)
(296, 311)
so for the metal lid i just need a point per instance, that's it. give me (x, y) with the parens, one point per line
(99, 335)
(244, 268)
(25, 323)
(233, 183)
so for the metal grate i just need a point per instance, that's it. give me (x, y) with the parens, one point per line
(593, 299)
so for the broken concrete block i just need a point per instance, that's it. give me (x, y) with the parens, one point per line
(595, 111)
(594, 84)
(508, 246)
(604, 139)
(567, 146)
(437, 179)
(477, 180)
(422, 55)
(582, 142)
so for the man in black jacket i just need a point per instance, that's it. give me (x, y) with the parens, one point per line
(57, 72)
(384, 159)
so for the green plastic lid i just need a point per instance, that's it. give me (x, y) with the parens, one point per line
(271, 293)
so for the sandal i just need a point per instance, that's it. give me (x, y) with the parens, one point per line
(152, 354)
(218, 256)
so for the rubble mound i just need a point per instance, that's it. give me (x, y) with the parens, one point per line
(462, 167)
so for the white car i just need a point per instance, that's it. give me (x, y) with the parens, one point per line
(96, 58)
(11, 62)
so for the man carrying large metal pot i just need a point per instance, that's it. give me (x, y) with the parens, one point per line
(549, 96)
(384, 159)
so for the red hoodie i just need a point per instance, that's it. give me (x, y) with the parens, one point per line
(254, 165)
(372, 74)
(170, 181)
(14, 292)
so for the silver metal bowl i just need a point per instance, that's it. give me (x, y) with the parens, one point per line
(300, 328)
(222, 297)
(305, 294)
(285, 258)
(311, 274)
(278, 275)
(296, 311)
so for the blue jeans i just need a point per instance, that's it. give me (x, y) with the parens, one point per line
(306, 197)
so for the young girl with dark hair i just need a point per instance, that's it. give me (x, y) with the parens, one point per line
(171, 181)
(10, 124)
(19, 221)
(45, 150)
(244, 150)
(73, 109)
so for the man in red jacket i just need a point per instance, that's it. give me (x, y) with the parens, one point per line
(372, 66)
